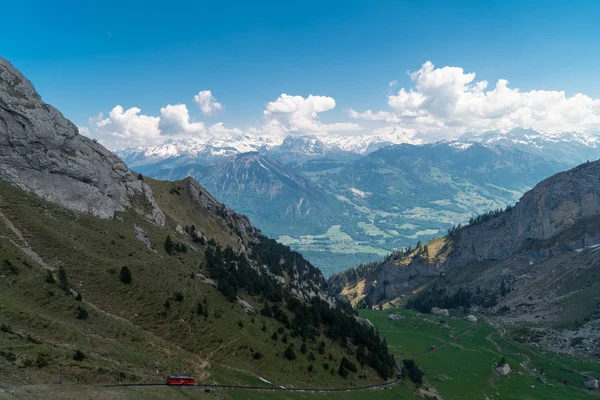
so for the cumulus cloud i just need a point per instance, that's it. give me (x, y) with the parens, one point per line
(298, 115)
(369, 115)
(449, 99)
(126, 125)
(218, 130)
(175, 121)
(207, 103)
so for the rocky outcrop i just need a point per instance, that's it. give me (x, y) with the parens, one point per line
(591, 383)
(442, 312)
(471, 318)
(561, 213)
(40, 151)
(503, 369)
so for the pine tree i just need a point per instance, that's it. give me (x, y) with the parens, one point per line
(125, 275)
(169, 245)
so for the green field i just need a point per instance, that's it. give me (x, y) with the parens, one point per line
(459, 370)
(462, 370)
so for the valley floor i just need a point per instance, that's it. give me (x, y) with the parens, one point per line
(460, 370)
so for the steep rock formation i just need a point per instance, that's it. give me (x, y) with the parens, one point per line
(41, 150)
(559, 214)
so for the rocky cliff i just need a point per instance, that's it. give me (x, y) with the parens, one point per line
(40, 151)
(43, 153)
(560, 214)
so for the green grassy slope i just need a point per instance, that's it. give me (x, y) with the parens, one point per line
(130, 335)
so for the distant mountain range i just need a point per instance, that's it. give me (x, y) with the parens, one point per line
(346, 200)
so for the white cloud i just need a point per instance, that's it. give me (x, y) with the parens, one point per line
(207, 103)
(369, 115)
(218, 130)
(175, 121)
(84, 130)
(298, 115)
(126, 125)
(449, 99)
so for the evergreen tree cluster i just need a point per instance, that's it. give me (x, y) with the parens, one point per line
(461, 298)
(197, 237)
(172, 247)
(480, 219)
(280, 258)
(233, 272)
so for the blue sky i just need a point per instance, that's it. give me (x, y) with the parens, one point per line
(86, 57)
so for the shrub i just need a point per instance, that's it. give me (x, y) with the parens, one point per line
(125, 275)
(264, 328)
(321, 348)
(343, 371)
(289, 353)
(274, 336)
(169, 245)
(576, 341)
(78, 356)
(50, 277)
(311, 357)
(310, 368)
(178, 296)
(6, 328)
(284, 339)
(8, 356)
(62, 278)
(280, 330)
(325, 365)
(167, 304)
(257, 356)
(42, 360)
(303, 348)
(240, 323)
(413, 372)
(347, 364)
(199, 308)
(78, 297)
(140, 177)
(82, 313)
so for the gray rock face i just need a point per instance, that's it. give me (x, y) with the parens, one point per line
(42, 152)
(557, 215)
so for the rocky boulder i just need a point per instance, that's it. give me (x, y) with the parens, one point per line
(591, 383)
(471, 318)
(503, 369)
(41, 151)
(442, 312)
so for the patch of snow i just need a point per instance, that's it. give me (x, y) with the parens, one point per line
(360, 193)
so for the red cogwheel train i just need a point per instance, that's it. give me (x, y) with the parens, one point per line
(179, 380)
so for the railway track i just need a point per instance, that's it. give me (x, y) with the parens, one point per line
(264, 388)
(382, 386)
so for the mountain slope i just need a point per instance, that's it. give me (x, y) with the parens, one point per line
(124, 278)
(340, 213)
(275, 198)
(533, 262)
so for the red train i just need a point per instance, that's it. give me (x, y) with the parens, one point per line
(180, 380)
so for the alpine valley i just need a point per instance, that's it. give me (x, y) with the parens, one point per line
(345, 200)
